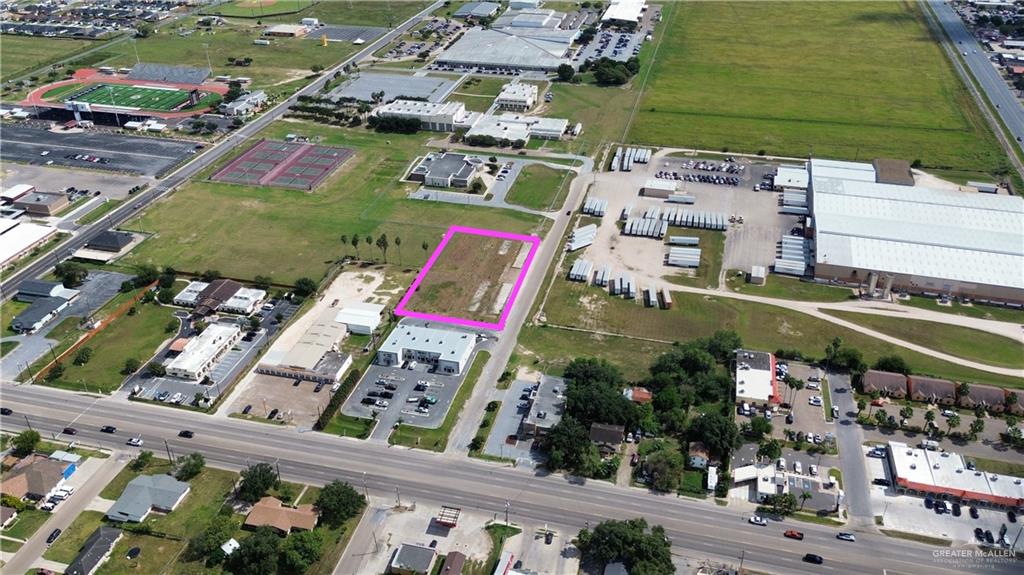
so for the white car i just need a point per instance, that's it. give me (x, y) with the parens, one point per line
(846, 536)
(135, 442)
(813, 386)
(812, 469)
(381, 403)
(758, 520)
(948, 413)
(815, 400)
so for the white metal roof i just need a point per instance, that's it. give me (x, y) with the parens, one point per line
(958, 236)
(318, 339)
(792, 177)
(17, 238)
(202, 348)
(363, 314)
(624, 10)
(449, 345)
(845, 170)
(503, 48)
(16, 191)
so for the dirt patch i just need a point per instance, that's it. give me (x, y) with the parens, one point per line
(786, 329)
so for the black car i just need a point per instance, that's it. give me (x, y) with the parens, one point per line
(53, 536)
(789, 418)
(1012, 516)
(108, 429)
(186, 434)
(988, 537)
(246, 410)
(5, 411)
(812, 558)
(549, 537)
(979, 533)
(956, 510)
(373, 393)
(929, 502)
(420, 387)
(387, 395)
(70, 431)
(390, 387)
(368, 401)
(272, 414)
(886, 483)
(318, 387)
(974, 512)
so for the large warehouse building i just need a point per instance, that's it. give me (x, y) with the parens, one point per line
(521, 49)
(945, 475)
(915, 239)
(448, 351)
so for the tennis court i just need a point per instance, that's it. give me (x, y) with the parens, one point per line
(284, 164)
(128, 96)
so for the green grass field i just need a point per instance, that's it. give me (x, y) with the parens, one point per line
(761, 326)
(137, 97)
(540, 187)
(852, 80)
(27, 523)
(976, 310)
(550, 349)
(99, 211)
(299, 233)
(712, 244)
(784, 287)
(338, 12)
(66, 548)
(22, 54)
(437, 439)
(959, 341)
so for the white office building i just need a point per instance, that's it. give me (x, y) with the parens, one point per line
(518, 97)
(448, 351)
(361, 318)
(512, 127)
(202, 352)
(436, 116)
(244, 302)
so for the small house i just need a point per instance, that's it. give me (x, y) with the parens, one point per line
(931, 390)
(886, 383)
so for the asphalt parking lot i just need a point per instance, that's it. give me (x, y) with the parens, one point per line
(130, 154)
(502, 440)
(50, 178)
(443, 387)
(618, 46)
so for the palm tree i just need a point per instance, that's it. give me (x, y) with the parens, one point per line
(874, 395)
(861, 405)
(952, 422)
(344, 241)
(977, 426)
(963, 390)
(355, 244)
(398, 245)
(804, 496)
(382, 243)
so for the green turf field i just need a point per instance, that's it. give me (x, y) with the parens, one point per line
(850, 80)
(131, 96)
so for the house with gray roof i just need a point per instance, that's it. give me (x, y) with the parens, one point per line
(412, 559)
(148, 493)
(95, 551)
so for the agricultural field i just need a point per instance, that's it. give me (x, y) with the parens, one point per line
(773, 77)
(23, 54)
(299, 233)
(470, 279)
(540, 187)
(761, 326)
(959, 341)
(284, 60)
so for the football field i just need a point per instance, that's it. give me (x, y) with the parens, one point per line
(145, 97)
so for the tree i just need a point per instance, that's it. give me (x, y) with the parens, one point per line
(568, 446)
(952, 422)
(254, 323)
(355, 244)
(146, 274)
(382, 244)
(83, 356)
(199, 325)
(206, 545)
(977, 426)
(804, 496)
(71, 274)
(980, 412)
(566, 72)
(305, 287)
(257, 479)
(881, 418)
(190, 466)
(760, 427)
(780, 504)
(257, 554)
(929, 418)
(300, 550)
(1011, 399)
(142, 461)
(210, 275)
(963, 389)
(344, 241)
(892, 363)
(861, 405)
(144, 30)
(262, 282)
(425, 246)
(398, 246)
(769, 449)
(165, 296)
(718, 433)
(131, 365)
(156, 369)
(211, 126)
(55, 372)
(906, 412)
(166, 278)
(666, 467)
(316, 68)
(644, 550)
(338, 502)
(25, 442)
(476, 187)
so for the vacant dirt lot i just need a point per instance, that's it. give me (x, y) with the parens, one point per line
(472, 278)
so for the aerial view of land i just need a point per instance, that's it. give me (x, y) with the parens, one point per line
(425, 287)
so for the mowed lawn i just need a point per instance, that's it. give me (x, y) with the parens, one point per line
(785, 287)
(852, 80)
(761, 326)
(337, 12)
(962, 342)
(21, 54)
(285, 59)
(540, 187)
(287, 234)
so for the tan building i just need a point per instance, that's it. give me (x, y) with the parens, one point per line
(270, 512)
(992, 398)
(41, 203)
(887, 384)
(932, 390)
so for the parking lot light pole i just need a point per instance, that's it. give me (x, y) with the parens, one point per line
(507, 505)
(366, 491)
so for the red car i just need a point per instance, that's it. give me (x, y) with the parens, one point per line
(794, 534)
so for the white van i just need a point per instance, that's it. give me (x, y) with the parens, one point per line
(797, 467)
(781, 464)
(745, 409)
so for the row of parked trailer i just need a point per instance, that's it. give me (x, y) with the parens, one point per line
(582, 237)
(621, 286)
(595, 207)
(645, 227)
(683, 257)
(580, 271)
(680, 199)
(695, 219)
(793, 256)
(624, 286)
(623, 158)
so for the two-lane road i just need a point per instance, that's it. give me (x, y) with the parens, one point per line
(697, 529)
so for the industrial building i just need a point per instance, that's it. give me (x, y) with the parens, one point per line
(517, 96)
(755, 377)
(624, 12)
(20, 238)
(286, 30)
(41, 203)
(945, 475)
(915, 239)
(395, 86)
(791, 178)
(47, 299)
(446, 170)
(315, 357)
(361, 318)
(512, 127)
(447, 351)
(512, 49)
(438, 117)
(529, 18)
(201, 352)
(9, 195)
(477, 10)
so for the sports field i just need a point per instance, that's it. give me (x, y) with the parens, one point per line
(284, 164)
(851, 80)
(128, 96)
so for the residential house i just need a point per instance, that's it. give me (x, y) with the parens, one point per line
(145, 494)
(699, 456)
(454, 562)
(36, 477)
(7, 516)
(608, 438)
(412, 559)
(931, 390)
(886, 383)
(992, 398)
(270, 512)
(95, 551)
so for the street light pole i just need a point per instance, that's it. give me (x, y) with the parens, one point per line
(27, 423)
(366, 491)
(507, 505)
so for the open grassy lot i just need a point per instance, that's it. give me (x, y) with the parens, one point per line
(974, 310)
(7, 347)
(350, 426)
(27, 523)
(540, 187)
(785, 287)
(776, 76)
(298, 233)
(129, 336)
(962, 342)
(550, 349)
(712, 244)
(1001, 467)
(437, 439)
(22, 54)
(365, 12)
(761, 326)
(66, 548)
(100, 211)
(285, 59)
(603, 112)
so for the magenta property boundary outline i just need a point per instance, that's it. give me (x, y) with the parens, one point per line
(534, 242)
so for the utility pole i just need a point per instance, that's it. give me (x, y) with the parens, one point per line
(366, 492)
(27, 423)
(507, 505)
(170, 457)
(277, 464)
(398, 496)
(743, 555)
